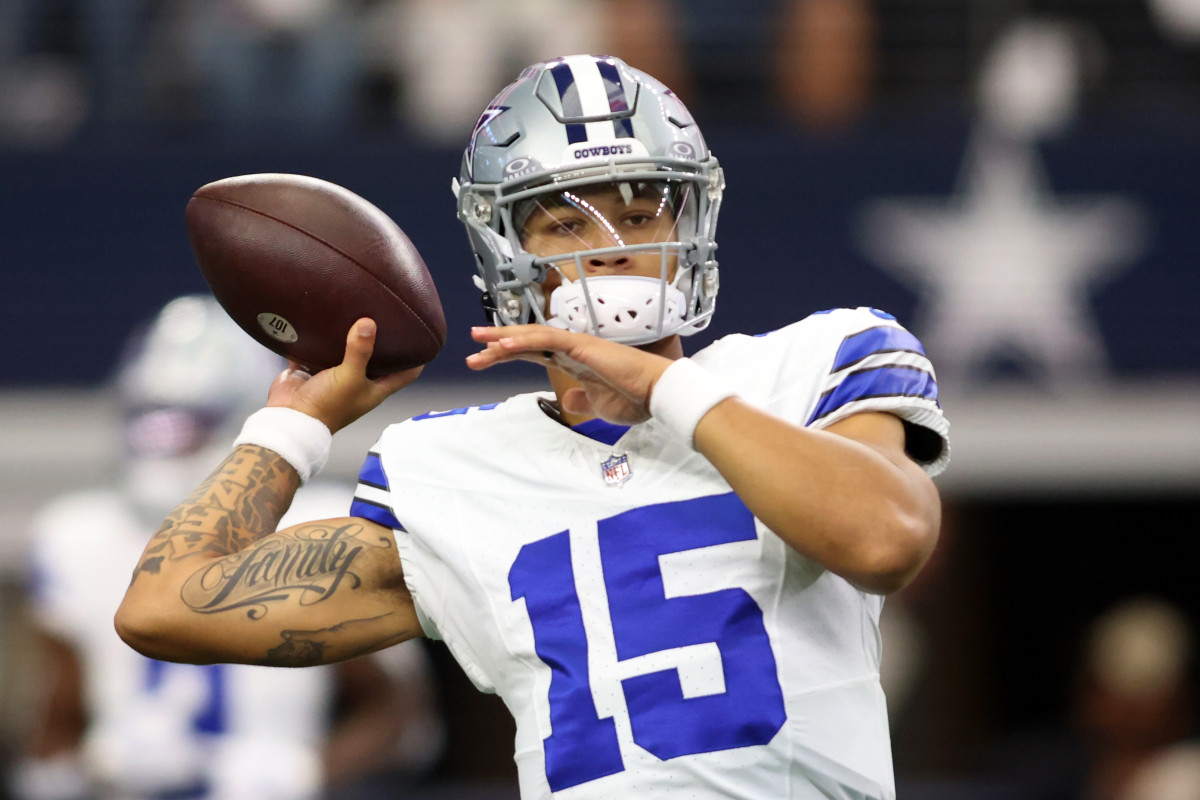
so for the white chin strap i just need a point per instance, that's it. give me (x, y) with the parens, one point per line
(627, 309)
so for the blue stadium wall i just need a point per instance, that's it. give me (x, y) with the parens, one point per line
(93, 241)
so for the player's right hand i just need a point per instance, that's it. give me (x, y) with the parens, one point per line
(339, 395)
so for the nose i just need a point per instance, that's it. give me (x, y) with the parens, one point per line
(616, 262)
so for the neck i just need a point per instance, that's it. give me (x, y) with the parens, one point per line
(670, 347)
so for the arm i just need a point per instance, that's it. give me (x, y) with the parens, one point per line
(847, 497)
(217, 583)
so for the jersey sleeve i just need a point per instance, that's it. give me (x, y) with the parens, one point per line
(373, 496)
(878, 365)
(373, 500)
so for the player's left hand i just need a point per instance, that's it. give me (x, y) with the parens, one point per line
(616, 379)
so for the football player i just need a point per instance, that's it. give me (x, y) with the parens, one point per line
(670, 568)
(113, 723)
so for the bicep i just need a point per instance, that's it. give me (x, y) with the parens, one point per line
(313, 593)
(885, 433)
(888, 435)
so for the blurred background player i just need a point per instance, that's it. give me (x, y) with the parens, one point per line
(112, 723)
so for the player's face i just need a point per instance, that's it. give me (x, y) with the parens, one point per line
(612, 215)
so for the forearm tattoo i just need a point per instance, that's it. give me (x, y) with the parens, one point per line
(242, 501)
(306, 648)
(227, 529)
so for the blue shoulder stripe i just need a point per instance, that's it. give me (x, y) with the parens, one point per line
(372, 472)
(375, 512)
(884, 339)
(880, 382)
(372, 475)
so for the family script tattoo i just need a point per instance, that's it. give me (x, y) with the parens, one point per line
(309, 563)
(238, 506)
(223, 545)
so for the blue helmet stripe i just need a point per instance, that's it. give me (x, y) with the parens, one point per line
(617, 101)
(568, 93)
(880, 382)
(884, 339)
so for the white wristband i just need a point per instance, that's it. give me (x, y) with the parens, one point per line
(683, 395)
(299, 439)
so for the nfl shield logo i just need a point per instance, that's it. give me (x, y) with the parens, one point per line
(616, 470)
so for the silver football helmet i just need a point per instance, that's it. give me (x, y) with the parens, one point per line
(567, 132)
(184, 384)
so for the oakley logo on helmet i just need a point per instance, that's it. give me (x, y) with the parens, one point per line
(518, 165)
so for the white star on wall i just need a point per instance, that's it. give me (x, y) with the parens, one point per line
(1003, 267)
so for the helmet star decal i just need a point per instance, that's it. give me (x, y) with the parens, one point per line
(489, 114)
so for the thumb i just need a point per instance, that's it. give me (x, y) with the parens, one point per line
(575, 401)
(360, 343)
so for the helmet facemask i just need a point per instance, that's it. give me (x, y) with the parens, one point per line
(626, 255)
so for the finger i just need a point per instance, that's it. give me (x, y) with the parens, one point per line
(286, 383)
(294, 374)
(491, 354)
(360, 343)
(495, 353)
(575, 401)
(491, 357)
(527, 337)
(486, 333)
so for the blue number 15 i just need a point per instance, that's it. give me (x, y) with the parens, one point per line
(582, 746)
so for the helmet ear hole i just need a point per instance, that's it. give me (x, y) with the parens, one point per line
(489, 308)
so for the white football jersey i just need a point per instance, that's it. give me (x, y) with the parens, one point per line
(649, 635)
(218, 731)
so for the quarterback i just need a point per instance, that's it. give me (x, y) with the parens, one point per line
(671, 569)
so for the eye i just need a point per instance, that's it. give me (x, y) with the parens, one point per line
(565, 227)
(639, 219)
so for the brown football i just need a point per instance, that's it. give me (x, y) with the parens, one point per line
(295, 260)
